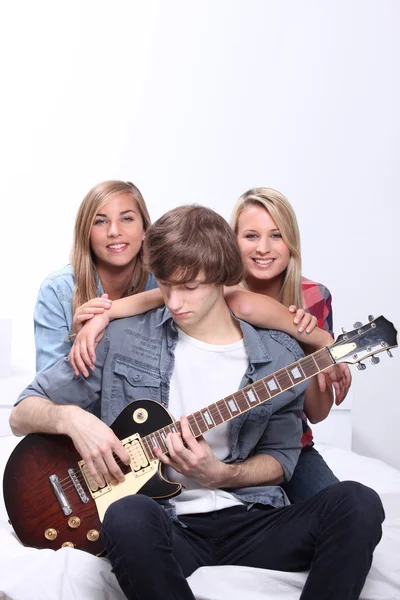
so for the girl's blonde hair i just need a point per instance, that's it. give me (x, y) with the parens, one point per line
(82, 257)
(283, 214)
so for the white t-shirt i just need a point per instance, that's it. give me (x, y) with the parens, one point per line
(203, 374)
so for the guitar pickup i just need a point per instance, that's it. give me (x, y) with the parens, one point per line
(91, 483)
(139, 460)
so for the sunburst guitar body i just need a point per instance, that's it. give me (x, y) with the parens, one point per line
(51, 499)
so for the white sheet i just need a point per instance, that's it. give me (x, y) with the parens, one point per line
(28, 574)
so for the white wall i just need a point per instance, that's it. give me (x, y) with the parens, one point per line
(197, 102)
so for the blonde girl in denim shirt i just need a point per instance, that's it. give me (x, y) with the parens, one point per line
(106, 261)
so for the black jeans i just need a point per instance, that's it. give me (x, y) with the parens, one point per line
(333, 534)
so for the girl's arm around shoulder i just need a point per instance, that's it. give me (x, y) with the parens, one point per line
(82, 355)
(136, 304)
(263, 311)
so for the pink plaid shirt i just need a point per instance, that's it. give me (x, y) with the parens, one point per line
(317, 301)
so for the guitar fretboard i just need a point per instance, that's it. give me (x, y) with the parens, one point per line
(243, 400)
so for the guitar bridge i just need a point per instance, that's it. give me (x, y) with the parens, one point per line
(61, 497)
(81, 492)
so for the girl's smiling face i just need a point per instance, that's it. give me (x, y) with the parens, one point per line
(265, 254)
(117, 232)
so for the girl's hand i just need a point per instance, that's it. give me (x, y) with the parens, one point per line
(338, 376)
(82, 353)
(304, 320)
(83, 313)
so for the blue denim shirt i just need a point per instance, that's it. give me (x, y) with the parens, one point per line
(53, 315)
(135, 360)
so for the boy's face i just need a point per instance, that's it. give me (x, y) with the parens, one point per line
(191, 302)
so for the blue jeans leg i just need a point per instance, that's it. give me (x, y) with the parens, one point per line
(310, 476)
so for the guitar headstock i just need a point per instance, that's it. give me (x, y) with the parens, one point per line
(363, 341)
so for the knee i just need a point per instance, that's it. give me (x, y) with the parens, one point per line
(131, 515)
(366, 506)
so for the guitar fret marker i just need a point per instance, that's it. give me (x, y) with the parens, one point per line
(296, 373)
(232, 405)
(251, 396)
(207, 418)
(272, 385)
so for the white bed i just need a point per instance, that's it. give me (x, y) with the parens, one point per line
(68, 574)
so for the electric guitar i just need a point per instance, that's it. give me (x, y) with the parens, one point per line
(53, 501)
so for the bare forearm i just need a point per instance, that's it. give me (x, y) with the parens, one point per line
(36, 414)
(317, 404)
(136, 304)
(261, 469)
(263, 311)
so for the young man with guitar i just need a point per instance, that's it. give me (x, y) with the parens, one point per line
(184, 356)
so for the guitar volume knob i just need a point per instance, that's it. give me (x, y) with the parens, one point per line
(74, 522)
(67, 545)
(93, 535)
(50, 534)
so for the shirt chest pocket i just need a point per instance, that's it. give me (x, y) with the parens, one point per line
(132, 382)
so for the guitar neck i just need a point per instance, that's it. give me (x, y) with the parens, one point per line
(244, 399)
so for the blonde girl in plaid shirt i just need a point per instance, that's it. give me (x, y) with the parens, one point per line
(268, 235)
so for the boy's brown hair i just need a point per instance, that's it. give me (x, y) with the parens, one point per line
(192, 239)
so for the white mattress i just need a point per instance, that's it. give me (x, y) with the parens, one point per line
(67, 574)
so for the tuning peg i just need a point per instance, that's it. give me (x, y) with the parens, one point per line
(390, 354)
(371, 318)
(374, 360)
(343, 329)
(357, 324)
(361, 366)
